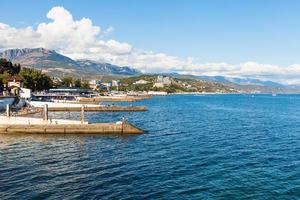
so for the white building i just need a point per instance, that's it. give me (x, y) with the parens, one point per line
(15, 81)
(94, 84)
(115, 83)
(167, 81)
(159, 79)
(162, 81)
(158, 85)
(141, 82)
(157, 93)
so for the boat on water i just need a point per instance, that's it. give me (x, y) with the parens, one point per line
(157, 93)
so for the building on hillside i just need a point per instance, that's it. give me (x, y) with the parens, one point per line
(115, 83)
(105, 86)
(167, 81)
(162, 81)
(95, 84)
(14, 84)
(141, 82)
(15, 81)
(159, 79)
(158, 85)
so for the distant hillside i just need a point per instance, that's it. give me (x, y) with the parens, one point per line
(58, 65)
(230, 80)
(249, 85)
(241, 81)
(246, 85)
(177, 85)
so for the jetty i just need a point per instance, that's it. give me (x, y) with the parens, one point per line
(30, 125)
(26, 125)
(101, 128)
(78, 107)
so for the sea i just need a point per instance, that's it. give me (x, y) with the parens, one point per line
(219, 146)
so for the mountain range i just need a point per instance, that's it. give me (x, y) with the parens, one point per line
(57, 64)
(231, 80)
(247, 85)
(242, 81)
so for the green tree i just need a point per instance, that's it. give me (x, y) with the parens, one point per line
(77, 83)
(7, 66)
(67, 81)
(3, 79)
(16, 68)
(35, 80)
(85, 84)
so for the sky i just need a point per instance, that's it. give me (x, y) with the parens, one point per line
(236, 38)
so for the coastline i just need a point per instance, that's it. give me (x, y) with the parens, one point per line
(215, 93)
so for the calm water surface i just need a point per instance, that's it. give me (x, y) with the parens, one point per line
(196, 147)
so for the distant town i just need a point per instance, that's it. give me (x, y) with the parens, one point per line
(41, 69)
(16, 80)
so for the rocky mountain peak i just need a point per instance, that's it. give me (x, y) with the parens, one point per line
(12, 54)
(58, 64)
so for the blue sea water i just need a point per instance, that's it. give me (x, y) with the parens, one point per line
(196, 147)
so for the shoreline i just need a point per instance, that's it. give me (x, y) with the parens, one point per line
(214, 93)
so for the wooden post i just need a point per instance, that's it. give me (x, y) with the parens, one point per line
(82, 114)
(46, 112)
(7, 110)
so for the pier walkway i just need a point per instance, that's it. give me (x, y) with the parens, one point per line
(75, 107)
(27, 125)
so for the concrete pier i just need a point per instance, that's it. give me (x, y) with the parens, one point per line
(71, 107)
(101, 128)
(29, 125)
(13, 120)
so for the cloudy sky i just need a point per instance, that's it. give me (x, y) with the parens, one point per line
(254, 38)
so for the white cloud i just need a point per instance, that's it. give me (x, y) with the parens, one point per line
(80, 39)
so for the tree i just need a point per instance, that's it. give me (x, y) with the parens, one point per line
(35, 80)
(85, 84)
(77, 83)
(67, 81)
(7, 66)
(7, 69)
(16, 68)
(3, 79)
